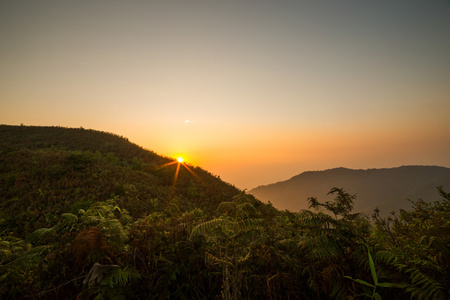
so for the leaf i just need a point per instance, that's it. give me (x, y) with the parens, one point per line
(34, 254)
(205, 227)
(214, 260)
(120, 276)
(226, 206)
(245, 258)
(361, 281)
(69, 217)
(247, 207)
(36, 235)
(248, 223)
(392, 285)
(376, 296)
(372, 268)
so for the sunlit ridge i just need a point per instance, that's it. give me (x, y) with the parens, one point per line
(180, 161)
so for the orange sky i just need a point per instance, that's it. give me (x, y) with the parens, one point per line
(270, 88)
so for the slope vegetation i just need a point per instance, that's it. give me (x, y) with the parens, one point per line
(46, 171)
(88, 215)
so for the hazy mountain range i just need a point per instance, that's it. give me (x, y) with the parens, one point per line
(388, 189)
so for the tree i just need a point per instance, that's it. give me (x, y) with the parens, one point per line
(332, 239)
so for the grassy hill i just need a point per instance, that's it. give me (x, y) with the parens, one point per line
(46, 171)
(89, 215)
(388, 189)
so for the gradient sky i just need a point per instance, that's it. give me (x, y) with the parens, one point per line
(253, 91)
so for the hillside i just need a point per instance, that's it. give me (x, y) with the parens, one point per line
(387, 189)
(88, 215)
(46, 171)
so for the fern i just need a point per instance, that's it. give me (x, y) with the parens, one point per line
(113, 284)
(32, 256)
(38, 234)
(236, 208)
(121, 277)
(245, 258)
(206, 227)
(249, 223)
(226, 206)
(11, 248)
(70, 218)
(214, 260)
(421, 286)
(386, 257)
(246, 209)
(320, 247)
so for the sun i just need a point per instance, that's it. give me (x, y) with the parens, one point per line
(179, 161)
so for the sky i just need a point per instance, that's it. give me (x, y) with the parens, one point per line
(252, 91)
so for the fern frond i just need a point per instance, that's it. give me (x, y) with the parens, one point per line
(71, 218)
(206, 227)
(33, 255)
(385, 257)
(121, 276)
(246, 207)
(226, 206)
(245, 258)
(424, 286)
(38, 234)
(421, 285)
(249, 223)
(320, 247)
(250, 235)
(330, 272)
(318, 222)
(214, 260)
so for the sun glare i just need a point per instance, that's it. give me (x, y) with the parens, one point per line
(179, 161)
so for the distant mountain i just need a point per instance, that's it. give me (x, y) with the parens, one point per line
(388, 189)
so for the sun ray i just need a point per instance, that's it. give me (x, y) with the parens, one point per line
(167, 164)
(176, 175)
(179, 161)
(192, 172)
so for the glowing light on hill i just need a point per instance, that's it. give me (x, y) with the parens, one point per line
(180, 161)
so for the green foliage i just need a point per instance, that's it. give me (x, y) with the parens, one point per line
(114, 285)
(416, 246)
(78, 160)
(11, 248)
(114, 222)
(230, 240)
(376, 284)
(71, 198)
(53, 170)
(330, 237)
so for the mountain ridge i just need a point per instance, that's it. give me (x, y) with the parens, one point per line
(386, 188)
